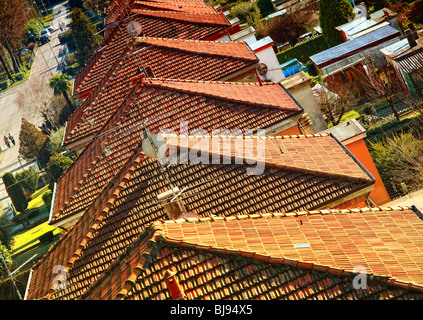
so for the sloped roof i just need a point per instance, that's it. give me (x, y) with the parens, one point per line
(124, 201)
(191, 106)
(188, 6)
(162, 24)
(296, 255)
(252, 99)
(354, 46)
(176, 58)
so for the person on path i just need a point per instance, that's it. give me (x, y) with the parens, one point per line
(12, 139)
(6, 141)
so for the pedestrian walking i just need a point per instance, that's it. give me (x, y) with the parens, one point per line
(6, 141)
(12, 139)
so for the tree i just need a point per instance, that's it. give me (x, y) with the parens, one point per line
(97, 6)
(15, 192)
(61, 85)
(6, 236)
(334, 13)
(36, 98)
(242, 10)
(387, 85)
(28, 179)
(288, 28)
(335, 104)
(55, 138)
(6, 257)
(399, 160)
(84, 35)
(32, 142)
(47, 198)
(56, 166)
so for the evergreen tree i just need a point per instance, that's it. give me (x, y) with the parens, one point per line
(83, 33)
(31, 141)
(61, 85)
(15, 192)
(334, 13)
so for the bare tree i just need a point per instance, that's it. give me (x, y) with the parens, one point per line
(386, 84)
(36, 98)
(335, 104)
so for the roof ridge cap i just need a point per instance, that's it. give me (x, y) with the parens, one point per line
(163, 222)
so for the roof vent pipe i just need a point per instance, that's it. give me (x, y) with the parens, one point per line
(175, 289)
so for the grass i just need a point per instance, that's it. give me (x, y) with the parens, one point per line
(38, 201)
(30, 237)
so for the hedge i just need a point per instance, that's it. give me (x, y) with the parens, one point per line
(303, 51)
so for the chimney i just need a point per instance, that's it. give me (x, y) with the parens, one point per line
(175, 289)
(174, 209)
(410, 37)
(386, 13)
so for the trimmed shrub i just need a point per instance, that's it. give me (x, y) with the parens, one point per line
(15, 192)
(46, 237)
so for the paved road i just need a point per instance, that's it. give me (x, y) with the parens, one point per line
(11, 112)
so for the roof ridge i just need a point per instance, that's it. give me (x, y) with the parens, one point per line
(267, 215)
(254, 84)
(185, 40)
(116, 187)
(175, 85)
(226, 49)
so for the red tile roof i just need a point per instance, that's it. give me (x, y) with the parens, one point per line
(162, 24)
(124, 202)
(183, 59)
(297, 255)
(214, 19)
(238, 102)
(191, 6)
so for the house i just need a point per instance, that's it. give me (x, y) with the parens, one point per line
(264, 50)
(277, 114)
(184, 107)
(353, 254)
(352, 135)
(345, 64)
(367, 23)
(152, 23)
(406, 57)
(299, 86)
(270, 69)
(125, 191)
(173, 58)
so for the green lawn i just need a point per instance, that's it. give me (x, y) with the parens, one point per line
(38, 201)
(30, 237)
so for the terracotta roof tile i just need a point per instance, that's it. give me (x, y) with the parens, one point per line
(183, 59)
(187, 6)
(160, 24)
(198, 102)
(264, 258)
(123, 208)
